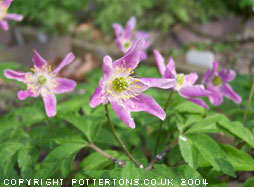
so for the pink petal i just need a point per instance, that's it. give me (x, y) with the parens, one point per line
(67, 60)
(145, 103)
(19, 76)
(132, 57)
(230, 93)
(4, 25)
(129, 27)
(16, 17)
(38, 60)
(123, 113)
(191, 78)
(143, 56)
(64, 85)
(7, 3)
(157, 83)
(107, 67)
(199, 102)
(141, 34)
(118, 29)
(97, 97)
(24, 94)
(170, 69)
(160, 62)
(215, 97)
(208, 75)
(215, 67)
(194, 91)
(50, 104)
(227, 76)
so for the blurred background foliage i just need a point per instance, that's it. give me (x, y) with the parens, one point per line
(60, 16)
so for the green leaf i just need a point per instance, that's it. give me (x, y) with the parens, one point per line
(96, 161)
(79, 122)
(54, 159)
(174, 155)
(27, 158)
(189, 107)
(237, 129)
(240, 160)
(249, 182)
(189, 176)
(207, 125)
(189, 152)
(212, 152)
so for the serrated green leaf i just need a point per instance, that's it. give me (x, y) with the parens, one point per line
(54, 159)
(237, 129)
(189, 152)
(212, 152)
(240, 160)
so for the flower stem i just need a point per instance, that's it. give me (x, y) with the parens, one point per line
(161, 122)
(119, 141)
(94, 147)
(249, 102)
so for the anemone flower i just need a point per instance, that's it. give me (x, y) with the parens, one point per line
(43, 81)
(4, 15)
(217, 83)
(184, 83)
(123, 91)
(126, 37)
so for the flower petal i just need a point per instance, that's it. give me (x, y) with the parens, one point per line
(123, 113)
(191, 78)
(146, 103)
(199, 102)
(142, 34)
(7, 3)
(208, 74)
(215, 67)
(24, 94)
(132, 57)
(170, 69)
(107, 66)
(50, 104)
(67, 60)
(143, 56)
(19, 76)
(194, 91)
(97, 97)
(118, 29)
(227, 76)
(156, 83)
(230, 93)
(38, 60)
(16, 17)
(215, 97)
(4, 25)
(129, 27)
(64, 85)
(160, 62)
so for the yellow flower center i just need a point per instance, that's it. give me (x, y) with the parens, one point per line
(120, 84)
(180, 79)
(217, 81)
(41, 80)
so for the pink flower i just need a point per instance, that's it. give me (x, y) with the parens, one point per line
(43, 81)
(123, 91)
(184, 83)
(4, 15)
(217, 83)
(126, 37)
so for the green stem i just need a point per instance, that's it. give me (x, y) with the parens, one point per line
(47, 121)
(161, 122)
(118, 139)
(249, 102)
